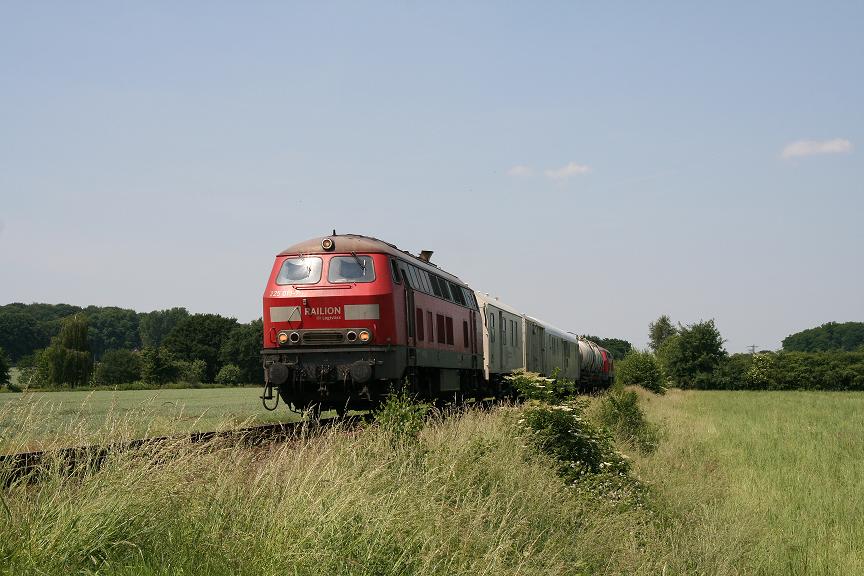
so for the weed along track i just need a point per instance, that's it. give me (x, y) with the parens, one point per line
(30, 466)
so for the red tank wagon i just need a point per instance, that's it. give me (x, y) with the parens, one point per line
(348, 316)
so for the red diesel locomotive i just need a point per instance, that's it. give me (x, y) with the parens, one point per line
(346, 316)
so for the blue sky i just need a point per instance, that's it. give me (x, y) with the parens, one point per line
(594, 164)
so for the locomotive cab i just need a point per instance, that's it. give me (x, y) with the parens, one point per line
(330, 336)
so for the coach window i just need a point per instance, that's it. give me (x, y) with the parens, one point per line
(301, 270)
(419, 324)
(465, 332)
(394, 269)
(504, 330)
(345, 269)
(450, 339)
(491, 322)
(439, 327)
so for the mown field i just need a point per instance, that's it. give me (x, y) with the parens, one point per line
(39, 419)
(741, 483)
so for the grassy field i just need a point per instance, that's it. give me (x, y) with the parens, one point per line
(742, 483)
(760, 482)
(37, 419)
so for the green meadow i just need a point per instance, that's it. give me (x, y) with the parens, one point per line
(760, 482)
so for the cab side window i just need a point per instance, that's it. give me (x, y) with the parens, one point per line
(394, 270)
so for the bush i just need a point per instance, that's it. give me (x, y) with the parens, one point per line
(563, 432)
(401, 417)
(731, 374)
(619, 411)
(788, 371)
(533, 386)
(229, 375)
(640, 368)
(118, 367)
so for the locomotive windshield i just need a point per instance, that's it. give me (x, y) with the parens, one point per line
(351, 269)
(302, 270)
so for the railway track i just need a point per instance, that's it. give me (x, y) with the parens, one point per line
(29, 466)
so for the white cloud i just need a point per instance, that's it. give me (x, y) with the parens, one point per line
(571, 169)
(814, 147)
(520, 170)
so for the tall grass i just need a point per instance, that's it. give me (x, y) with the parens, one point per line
(741, 483)
(467, 498)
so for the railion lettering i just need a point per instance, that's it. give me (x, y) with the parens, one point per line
(323, 311)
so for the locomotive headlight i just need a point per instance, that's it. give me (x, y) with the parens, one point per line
(327, 244)
(282, 338)
(364, 336)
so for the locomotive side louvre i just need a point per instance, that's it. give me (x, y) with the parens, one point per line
(445, 328)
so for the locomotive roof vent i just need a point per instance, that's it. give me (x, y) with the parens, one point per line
(426, 255)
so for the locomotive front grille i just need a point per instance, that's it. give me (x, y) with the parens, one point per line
(323, 337)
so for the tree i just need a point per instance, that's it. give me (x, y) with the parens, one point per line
(618, 347)
(200, 337)
(154, 327)
(25, 328)
(4, 368)
(242, 347)
(698, 352)
(118, 367)
(157, 365)
(192, 372)
(665, 355)
(659, 331)
(19, 333)
(112, 328)
(67, 360)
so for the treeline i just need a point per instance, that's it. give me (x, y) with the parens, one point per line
(63, 345)
(829, 337)
(693, 356)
